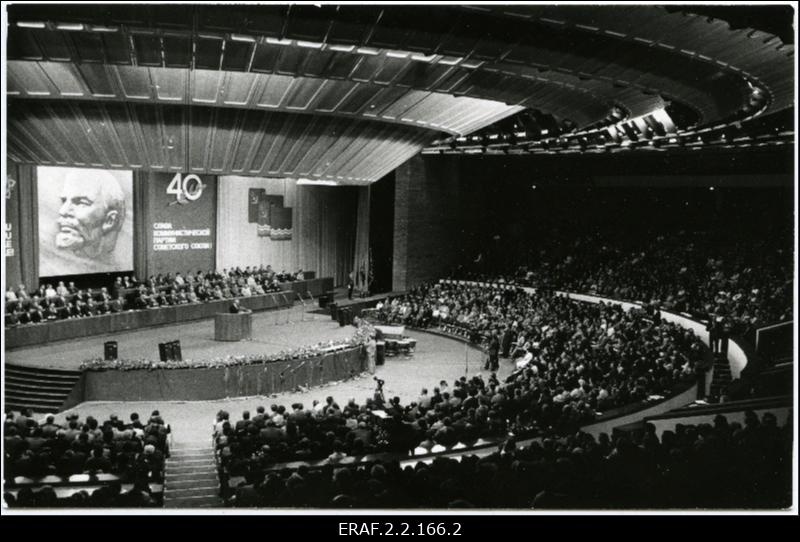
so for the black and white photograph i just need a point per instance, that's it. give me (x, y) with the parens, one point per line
(85, 221)
(433, 260)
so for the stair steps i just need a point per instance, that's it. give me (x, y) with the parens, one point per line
(722, 375)
(191, 478)
(40, 389)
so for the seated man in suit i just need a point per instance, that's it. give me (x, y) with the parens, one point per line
(117, 305)
(102, 307)
(35, 314)
(62, 307)
(89, 308)
(61, 289)
(75, 309)
(141, 301)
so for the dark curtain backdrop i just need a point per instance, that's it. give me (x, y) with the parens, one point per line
(361, 269)
(140, 221)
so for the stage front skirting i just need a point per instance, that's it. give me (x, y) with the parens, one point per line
(60, 330)
(222, 382)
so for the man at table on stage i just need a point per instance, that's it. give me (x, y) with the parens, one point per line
(236, 308)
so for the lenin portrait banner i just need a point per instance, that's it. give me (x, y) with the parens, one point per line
(85, 220)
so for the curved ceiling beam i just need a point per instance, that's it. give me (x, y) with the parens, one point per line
(753, 55)
(105, 82)
(207, 140)
(443, 74)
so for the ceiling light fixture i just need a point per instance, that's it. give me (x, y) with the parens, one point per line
(422, 58)
(310, 44)
(31, 24)
(311, 182)
(342, 48)
(69, 26)
(274, 41)
(96, 28)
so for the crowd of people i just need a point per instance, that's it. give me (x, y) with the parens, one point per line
(574, 361)
(65, 300)
(738, 283)
(134, 450)
(718, 465)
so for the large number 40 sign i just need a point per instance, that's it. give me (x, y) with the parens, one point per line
(188, 188)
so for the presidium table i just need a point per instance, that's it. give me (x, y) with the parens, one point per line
(233, 326)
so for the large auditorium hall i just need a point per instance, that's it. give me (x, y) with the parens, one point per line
(331, 258)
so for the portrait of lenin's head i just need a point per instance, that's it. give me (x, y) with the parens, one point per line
(91, 214)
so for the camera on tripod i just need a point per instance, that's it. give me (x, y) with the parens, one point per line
(380, 382)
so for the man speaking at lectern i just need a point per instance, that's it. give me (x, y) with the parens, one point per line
(236, 308)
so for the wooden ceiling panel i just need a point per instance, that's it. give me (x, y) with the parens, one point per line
(135, 82)
(238, 88)
(171, 84)
(303, 94)
(30, 79)
(310, 23)
(99, 80)
(265, 58)
(177, 52)
(89, 46)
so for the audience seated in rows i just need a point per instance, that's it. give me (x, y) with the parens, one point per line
(736, 283)
(718, 466)
(134, 449)
(584, 359)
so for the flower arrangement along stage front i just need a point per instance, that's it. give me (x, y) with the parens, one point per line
(363, 334)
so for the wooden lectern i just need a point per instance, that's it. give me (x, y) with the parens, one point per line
(233, 327)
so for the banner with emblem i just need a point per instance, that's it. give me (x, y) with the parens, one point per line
(265, 205)
(280, 222)
(12, 227)
(254, 196)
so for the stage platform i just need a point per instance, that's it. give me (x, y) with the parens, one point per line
(436, 358)
(197, 340)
